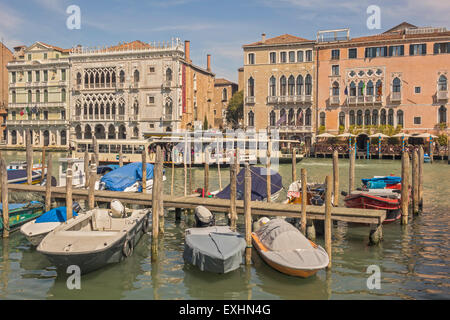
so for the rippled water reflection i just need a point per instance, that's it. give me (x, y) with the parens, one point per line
(414, 260)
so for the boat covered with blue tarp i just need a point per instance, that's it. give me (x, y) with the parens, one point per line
(127, 178)
(259, 185)
(55, 215)
(381, 182)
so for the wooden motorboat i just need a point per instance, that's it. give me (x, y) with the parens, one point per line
(212, 248)
(20, 213)
(36, 230)
(287, 250)
(315, 193)
(96, 238)
(382, 199)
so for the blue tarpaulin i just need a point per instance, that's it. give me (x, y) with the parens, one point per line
(126, 176)
(259, 184)
(55, 215)
(381, 182)
(13, 206)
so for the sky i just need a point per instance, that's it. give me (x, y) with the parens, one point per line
(219, 28)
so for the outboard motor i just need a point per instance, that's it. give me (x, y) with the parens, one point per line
(204, 217)
(317, 200)
(117, 209)
(76, 207)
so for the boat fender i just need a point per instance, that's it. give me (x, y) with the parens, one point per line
(127, 248)
(146, 224)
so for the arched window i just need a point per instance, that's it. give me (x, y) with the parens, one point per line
(308, 85)
(300, 117)
(322, 119)
(272, 118)
(383, 117)
(308, 117)
(352, 89)
(87, 132)
(442, 83)
(136, 76)
(442, 114)
(136, 132)
(359, 118)
(342, 119)
(121, 76)
(352, 118)
(45, 96)
(369, 89)
(335, 89)
(136, 107)
(86, 80)
(111, 132)
(46, 138)
(78, 133)
(63, 137)
(283, 86)
(29, 96)
(300, 84)
(291, 86)
(251, 119)
(91, 80)
(360, 88)
(375, 117)
(272, 86)
(121, 108)
(282, 121)
(391, 117)
(400, 118)
(78, 78)
(38, 96)
(14, 137)
(379, 90)
(13, 96)
(169, 74)
(367, 117)
(251, 87)
(122, 132)
(396, 86)
(291, 117)
(224, 94)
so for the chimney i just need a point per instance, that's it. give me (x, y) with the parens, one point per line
(263, 38)
(208, 63)
(187, 50)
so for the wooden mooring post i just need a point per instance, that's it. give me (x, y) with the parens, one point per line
(405, 187)
(144, 171)
(43, 162)
(415, 182)
(294, 165)
(157, 180)
(48, 184)
(120, 157)
(233, 178)
(268, 182)
(335, 178)
(86, 168)
(29, 156)
(206, 172)
(328, 224)
(69, 199)
(4, 197)
(95, 149)
(248, 214)
(92, 180)
(304, 200)
(421, 162)
(173, 178)
(351, 173)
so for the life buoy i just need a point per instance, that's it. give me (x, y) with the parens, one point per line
(127, 249)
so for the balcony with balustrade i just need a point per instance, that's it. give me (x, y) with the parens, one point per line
(272, 99)
(396, 97)
(250, 100)
(334, 100)
(442, 95)
(364, 100)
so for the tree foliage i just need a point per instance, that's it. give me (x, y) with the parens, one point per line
(235, 109)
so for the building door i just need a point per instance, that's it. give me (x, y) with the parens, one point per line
(361, 142)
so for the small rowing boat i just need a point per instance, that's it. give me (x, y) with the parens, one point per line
(20, 213)
(286, 249)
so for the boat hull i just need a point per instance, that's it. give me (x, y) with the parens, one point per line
(20, 216)
(91, 260)
(366, 201)
(303, 273)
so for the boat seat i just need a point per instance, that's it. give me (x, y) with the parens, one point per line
(101, 220)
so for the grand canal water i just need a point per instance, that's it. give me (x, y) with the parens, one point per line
(414, 260)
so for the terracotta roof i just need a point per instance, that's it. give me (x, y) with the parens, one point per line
(137, 44)
(283, 39)
(54, 47)
(400, 27)
(222, 81)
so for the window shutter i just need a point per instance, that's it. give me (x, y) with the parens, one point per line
(424, 48)
(402, 50)
(436, 48)
(385, 51)
(391, 49)
(411, 49)
(366, 52)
